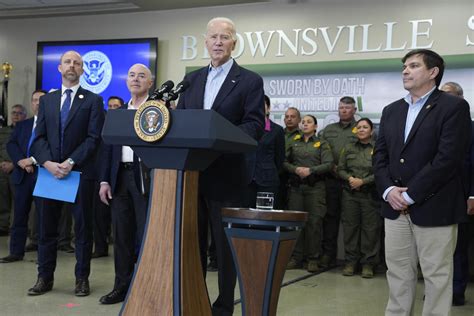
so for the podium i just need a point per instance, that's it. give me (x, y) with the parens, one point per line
(168, 278)
(262, 243)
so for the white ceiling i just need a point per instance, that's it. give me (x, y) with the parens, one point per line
(42, 8)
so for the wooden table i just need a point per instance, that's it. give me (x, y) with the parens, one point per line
(262, 243)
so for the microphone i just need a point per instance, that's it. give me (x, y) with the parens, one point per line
(180, 88)
(165, 87)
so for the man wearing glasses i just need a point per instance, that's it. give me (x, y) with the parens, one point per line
(18, 113)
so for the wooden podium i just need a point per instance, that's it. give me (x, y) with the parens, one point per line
(262, 243)
(168, 278)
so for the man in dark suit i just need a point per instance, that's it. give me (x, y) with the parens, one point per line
(419, 170)
(264, 165)
(465, 230)
(236, 94)
(24, 179)
(18, 114)
(102, 214)
(67, 136)
(124, 182)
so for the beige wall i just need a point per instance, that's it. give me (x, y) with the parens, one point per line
(448, 32)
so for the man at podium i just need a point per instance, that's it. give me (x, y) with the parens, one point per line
(237, 94)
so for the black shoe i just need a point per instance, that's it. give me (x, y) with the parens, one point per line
(458, 299)
(82, 287)
(66, 248)
(10, 258)
(99, 255)
(31, 247)
(42, 286)
(114, 297)
(212, 266)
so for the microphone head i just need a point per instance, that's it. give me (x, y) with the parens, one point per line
(180, 88)
(167, 86)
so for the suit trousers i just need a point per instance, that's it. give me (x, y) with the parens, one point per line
(6, 198)
(129, 207)
(210, 210)
(23, 200)
(102, 223)
(405, 244)
(461, 256)
(49, 218)
(64, 228)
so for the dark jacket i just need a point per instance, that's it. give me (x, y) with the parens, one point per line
(431, 161)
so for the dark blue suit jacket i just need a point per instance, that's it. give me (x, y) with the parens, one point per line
(430, 163)
(471, 164)
(81, 133)
(17, 147)
(264, 165)
(110, 159)
(240, 100)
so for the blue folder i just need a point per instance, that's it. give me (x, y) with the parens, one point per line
(65, 189)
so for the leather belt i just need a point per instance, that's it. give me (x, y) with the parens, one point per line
(127, 165)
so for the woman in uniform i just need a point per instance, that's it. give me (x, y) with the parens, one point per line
(308, 160)
(360, 220)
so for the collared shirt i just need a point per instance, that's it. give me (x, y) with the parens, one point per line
(289, 137)
(215, 79)
(35, 118)
(314, 154)
(64, 94)
(127, 152)
(356, 161)
(338, 135)
(414, 109)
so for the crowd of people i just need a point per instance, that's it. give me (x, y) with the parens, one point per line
(409, 183)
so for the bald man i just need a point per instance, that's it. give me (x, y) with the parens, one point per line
(123, 185)
(67, 138)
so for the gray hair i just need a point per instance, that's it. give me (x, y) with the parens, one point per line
(224, 20)
(456, 87)
(21, 107)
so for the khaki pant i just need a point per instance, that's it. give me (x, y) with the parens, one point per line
(405, 244)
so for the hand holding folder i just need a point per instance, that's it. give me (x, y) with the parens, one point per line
(65, 189)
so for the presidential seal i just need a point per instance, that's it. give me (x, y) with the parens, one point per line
(97, 71)
(152, 120)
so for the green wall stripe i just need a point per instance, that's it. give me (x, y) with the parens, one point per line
(346, 66)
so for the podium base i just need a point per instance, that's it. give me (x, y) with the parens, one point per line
(168, 279)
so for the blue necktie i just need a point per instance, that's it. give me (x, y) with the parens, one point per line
(65, 113)
(32, 138)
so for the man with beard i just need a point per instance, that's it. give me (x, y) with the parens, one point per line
(67, 137)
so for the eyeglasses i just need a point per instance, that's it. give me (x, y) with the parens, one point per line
(17, 113)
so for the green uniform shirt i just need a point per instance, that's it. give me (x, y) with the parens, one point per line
(314, 154)
(289, 137)
(338, 135)
(356, 161)
(5, 133)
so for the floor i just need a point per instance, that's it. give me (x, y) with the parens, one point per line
(327, 293)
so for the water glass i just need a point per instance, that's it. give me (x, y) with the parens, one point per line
(265, 201)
